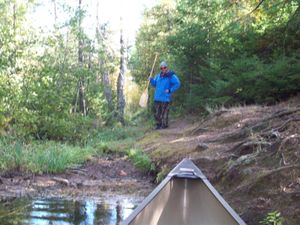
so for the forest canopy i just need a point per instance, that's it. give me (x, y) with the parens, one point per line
(61, 84)
(225, 52)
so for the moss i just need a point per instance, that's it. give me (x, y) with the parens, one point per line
(162, 152)
(222, 122)
(149, 138)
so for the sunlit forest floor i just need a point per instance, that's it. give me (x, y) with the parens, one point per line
(251, 154)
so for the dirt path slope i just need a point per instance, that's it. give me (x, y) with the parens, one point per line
(251, 154)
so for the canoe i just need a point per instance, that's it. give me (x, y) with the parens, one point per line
(184, 197)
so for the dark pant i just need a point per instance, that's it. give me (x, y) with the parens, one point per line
(161, 113)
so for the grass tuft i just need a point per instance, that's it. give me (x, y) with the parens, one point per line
(54, 157)
(141, 160)
(42, 157)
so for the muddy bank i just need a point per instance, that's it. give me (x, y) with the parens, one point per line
(98, 176)
(250, 154)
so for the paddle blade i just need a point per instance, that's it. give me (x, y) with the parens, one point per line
(144, 99)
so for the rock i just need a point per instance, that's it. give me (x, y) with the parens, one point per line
(201, 147)
(123, 173)
(248, 171)
(61, 180)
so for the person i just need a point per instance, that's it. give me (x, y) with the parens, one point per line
(165, 83)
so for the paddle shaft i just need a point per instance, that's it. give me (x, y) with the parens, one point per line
(151, 71)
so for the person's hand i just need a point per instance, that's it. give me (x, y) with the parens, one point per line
(150, 78)
(167, 90)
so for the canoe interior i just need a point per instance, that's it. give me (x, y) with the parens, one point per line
(184, 202)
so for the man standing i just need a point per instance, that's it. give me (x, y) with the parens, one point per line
(165, 83)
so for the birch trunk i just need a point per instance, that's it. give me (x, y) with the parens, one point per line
(121, 82)
(82, 102)
(102, 63)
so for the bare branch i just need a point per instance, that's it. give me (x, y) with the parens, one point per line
(258, 5)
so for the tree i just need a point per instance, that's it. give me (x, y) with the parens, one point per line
(105, 55)
(81, 82)
(121, 82)
(43, 78)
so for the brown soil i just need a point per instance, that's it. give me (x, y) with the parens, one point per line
(250, 154)
(99, 176)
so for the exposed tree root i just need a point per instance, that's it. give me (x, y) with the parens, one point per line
(286, 139)
(281, 127)
(279, 114)
(251, 183)
(249, 144)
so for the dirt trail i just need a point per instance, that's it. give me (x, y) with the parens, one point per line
(98, 176)
(250, 154)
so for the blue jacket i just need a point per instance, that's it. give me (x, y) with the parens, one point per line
(162, 83)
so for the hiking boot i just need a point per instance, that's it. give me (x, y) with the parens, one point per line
(164, 126)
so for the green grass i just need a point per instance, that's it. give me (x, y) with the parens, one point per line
(42, 157)
(53, 157)
(117, 139)
(141, 160)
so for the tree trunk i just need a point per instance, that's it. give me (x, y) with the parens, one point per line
(121, 82)
(82, 102)
(102, 61)
(107, 90)
(55, 13)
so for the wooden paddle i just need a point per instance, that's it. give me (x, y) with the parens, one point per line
(144, 97)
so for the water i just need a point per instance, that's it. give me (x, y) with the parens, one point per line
(58, 211)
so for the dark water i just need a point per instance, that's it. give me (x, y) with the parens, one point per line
(64, 212)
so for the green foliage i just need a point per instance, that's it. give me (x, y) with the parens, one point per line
(224, 52)
(40, 75)
(273, 218)
(151, 40)
(76, 128)
(272, 81)
(141, 160)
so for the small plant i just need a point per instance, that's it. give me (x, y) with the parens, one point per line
(212, 108)
(162, 174)
(272, 218)
(18, 155)
(140, 160)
